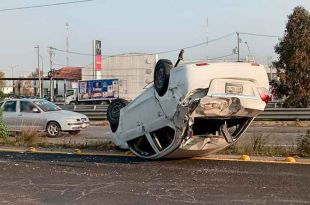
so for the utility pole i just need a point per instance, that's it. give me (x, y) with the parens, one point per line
(67, 43)
(207, 40)
(51, 53)
(42, 76)
(67, 46)
(238, 46)
(13, 83)
(39, 71)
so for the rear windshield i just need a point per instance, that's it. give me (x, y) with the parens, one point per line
(47, 106)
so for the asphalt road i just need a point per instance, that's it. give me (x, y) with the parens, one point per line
(273, 135)
(74, 179)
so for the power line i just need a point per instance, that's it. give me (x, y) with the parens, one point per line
(45, 5)
(160, 52)
(175, 50)
(198, 44)
(224, 56)
(73, 52)
(261, 35)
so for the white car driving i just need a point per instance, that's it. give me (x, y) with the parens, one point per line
(193, 109)
(41, 115)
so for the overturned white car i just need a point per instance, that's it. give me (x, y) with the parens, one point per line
(193, 109)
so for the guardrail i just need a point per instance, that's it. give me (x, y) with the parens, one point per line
(99, 112)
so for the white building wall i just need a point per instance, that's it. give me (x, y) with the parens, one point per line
(7, 89)
(134, 72)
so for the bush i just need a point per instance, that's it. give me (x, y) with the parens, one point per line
(2, 95)
(3, 130)
(303, 145)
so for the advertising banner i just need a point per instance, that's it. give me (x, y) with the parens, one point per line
(98, 89)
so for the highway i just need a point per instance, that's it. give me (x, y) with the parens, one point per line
(273, 135)
(75, 179)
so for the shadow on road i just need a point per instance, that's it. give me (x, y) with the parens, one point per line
(70, 158)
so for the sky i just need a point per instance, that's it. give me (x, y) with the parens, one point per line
(144, 26)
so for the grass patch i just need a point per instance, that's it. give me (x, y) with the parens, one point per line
(303, 145)
(32, 138)
(258, 147)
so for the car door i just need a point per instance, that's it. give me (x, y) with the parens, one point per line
(30, 117)
(10, 115)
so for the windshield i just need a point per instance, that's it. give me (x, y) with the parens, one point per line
(70, 92)
(47, 106)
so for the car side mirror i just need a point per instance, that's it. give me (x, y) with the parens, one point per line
(35, 110)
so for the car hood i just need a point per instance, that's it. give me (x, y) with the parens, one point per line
(60, 114)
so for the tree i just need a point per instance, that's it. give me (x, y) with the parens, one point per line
(2, 82)
(293, 65)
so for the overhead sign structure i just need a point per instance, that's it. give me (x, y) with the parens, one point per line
(97, 59)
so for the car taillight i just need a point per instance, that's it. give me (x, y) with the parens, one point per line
(264, 94)
(254, 64)
(201, 64)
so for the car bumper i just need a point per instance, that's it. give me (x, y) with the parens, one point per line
(76, 126)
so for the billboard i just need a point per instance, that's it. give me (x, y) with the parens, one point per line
(98, 89)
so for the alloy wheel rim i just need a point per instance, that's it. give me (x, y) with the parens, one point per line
(53, 130)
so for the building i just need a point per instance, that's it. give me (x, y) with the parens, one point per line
(64, 78)
(7, 89)
(133, 70)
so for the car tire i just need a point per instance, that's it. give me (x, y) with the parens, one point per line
(75, 132)
(113, 112)
(162, 75)
(73, 103)
(53, 129)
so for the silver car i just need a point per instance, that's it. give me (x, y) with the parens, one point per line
(41, 115)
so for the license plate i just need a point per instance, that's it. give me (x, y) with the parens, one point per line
(231, 88)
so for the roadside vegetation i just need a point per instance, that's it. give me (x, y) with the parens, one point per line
(258, 147)
(3, 130)
(294, 61)
(30, 138)
(303, 145)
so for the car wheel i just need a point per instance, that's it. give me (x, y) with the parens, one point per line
(75, 132)
(53, 129)
(72, 103)
(162, 75)
(113, 112)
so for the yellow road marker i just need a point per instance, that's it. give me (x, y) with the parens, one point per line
(290, 160)
(245, 157)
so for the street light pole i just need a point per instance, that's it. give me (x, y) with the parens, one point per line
(67, 43)
(51, 53)
(39, 71)
(13, 84)
(238, 45)
(249, 52)
(42, 76)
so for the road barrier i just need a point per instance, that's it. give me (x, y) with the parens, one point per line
(99, 112)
